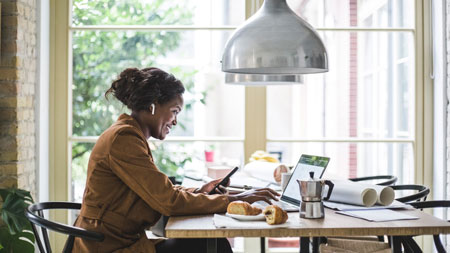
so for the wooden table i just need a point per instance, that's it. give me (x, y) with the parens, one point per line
(201, 226)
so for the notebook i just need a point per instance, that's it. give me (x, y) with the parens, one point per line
(290, 198)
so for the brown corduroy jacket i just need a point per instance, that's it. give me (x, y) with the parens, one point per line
(126, 193)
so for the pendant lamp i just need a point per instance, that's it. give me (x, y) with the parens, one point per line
(274, 46)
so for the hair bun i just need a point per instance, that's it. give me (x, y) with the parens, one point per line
(138, 89)
(130, 74)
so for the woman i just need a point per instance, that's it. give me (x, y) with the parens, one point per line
(125, 192)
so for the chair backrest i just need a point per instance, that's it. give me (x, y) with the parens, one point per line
(35, 214)
(386, 179)
(433, 204)
(421, 195)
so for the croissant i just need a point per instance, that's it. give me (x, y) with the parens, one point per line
(275, 215)
(242, 208)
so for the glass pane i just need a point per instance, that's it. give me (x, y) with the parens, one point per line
(193, 158)
(159, 12)
(358, 13)
(350, 160)
(80, 159)
(368, 92)
(173, 158)
(192, 56)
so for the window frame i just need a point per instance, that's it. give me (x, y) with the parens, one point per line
(60, 125)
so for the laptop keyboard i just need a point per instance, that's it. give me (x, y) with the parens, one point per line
(285, 206)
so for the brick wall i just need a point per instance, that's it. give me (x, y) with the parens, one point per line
(17, 91)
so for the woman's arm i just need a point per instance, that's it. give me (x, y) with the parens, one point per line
(130, 161)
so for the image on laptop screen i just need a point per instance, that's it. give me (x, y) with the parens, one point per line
(307, 163)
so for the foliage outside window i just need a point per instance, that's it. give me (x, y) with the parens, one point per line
(99, 56)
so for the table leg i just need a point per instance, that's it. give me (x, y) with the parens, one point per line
(396, 245)
(304, 244)
(263, 244)
(211, 245)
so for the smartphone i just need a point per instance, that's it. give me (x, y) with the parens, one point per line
(224, 180)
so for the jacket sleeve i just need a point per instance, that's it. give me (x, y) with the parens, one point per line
(130, 161)
(182, 188)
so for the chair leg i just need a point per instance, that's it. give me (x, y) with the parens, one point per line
(263, 244)
(37, 238)
(69, 244)
(437, 242)
(410, 245)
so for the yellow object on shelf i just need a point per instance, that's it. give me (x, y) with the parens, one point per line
(263, 156)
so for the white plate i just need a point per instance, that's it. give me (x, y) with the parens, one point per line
(246, 217)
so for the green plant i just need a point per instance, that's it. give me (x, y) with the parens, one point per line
(15, 232)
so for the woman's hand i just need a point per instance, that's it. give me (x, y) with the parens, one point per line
(264, 194)
(206, 188)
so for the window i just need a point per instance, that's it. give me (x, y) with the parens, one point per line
(184, 39)
(366, 113)
(360, 113)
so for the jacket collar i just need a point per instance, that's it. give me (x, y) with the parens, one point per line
(127, 119)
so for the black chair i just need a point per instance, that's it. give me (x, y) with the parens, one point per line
(421, 195)
(387, 179)
(35, 214)
(409, 242)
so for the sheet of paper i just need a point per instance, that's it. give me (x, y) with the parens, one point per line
(222, 221)
(241, 179)
(378, 215)
(344, 207)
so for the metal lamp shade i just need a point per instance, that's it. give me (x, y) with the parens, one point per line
(276, 44)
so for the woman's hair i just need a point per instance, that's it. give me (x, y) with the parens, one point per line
(138, 89)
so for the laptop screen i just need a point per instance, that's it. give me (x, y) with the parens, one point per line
(307, 163)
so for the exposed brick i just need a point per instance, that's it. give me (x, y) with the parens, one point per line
(25, 141)
(8, 114)
(8, 156)
(8, 143)
(8, 181)
(9, 74)
(25, 153)
(9, 21)
(10, 61)
(9, 8)
(8, 88)
(8, 128)
(28, 12)
(17, 94)
(8, 102)
(10, 47)
(8, 34)
(25, 114)
(8, 169)
(25, 128)
(21, 9)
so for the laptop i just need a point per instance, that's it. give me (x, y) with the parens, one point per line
(290, 198)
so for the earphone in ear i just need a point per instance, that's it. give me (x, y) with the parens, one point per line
(153, 109)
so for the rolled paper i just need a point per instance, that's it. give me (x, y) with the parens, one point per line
(386, 195)
(356, 193)
(353, 193)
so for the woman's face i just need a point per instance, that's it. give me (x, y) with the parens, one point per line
(166, 117)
